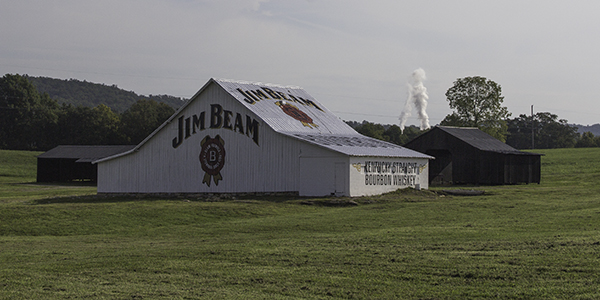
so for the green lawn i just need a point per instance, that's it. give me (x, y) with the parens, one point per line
(18, 180)
(514, 242)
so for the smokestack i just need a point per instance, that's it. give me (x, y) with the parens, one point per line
(417, 95)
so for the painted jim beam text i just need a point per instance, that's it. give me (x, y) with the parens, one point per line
(218, 118)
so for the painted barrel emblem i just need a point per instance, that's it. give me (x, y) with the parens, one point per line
(212, 158)
(296, 113)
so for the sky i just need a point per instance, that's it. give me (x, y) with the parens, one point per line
(354, 56)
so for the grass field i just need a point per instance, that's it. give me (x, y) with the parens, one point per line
(514, 242)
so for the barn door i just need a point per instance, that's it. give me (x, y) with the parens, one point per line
(340, 179)
(440, 169)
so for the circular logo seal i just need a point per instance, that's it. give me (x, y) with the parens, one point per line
(212, 158)
(294, 112)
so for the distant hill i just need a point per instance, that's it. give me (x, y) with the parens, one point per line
(595, 129)
(84, 93)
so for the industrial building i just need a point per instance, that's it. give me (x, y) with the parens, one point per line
(471, 156)
(247, 137)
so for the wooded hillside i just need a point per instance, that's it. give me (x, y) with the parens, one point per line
(89, 94)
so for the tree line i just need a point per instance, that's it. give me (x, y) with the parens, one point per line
(549, 133)
(84, 93)
(30, 120)
(477, 102)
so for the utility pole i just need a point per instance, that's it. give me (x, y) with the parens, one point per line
(532, 131)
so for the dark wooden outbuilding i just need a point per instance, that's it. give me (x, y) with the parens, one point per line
(69, 163)
(471, 156)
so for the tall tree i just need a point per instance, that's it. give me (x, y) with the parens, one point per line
(88, 126)
(142, 118)
(587, 140)
(477, 102)
(25, 115)
(519, 132)
(372, 130)
(388, 133)
(552, 132)
(549, 132)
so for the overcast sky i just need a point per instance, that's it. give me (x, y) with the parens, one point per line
(355, 57)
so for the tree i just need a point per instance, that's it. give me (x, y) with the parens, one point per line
(388, 133)
(586, 140)
(372, 130)
(549, 132)
(88, 126)
(519, 132)
(25, 115)
(142, 118)
(477, 102)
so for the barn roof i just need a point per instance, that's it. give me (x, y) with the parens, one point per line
(85, 153)
(359, 145)
(481, 140)
(325, 129)
(291, 111)
(256, 97)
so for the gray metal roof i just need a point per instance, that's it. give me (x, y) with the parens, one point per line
(359, 145)
(291, 111)
(325, 130)
(85, 153)
(481, 140)
(267, 100)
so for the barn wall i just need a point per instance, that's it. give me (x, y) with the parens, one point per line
(464, 164)
(322, 172)
(376, 175)
(470, 165)
(64, 170)
(266, 162)
(250, 156)
(48, 170)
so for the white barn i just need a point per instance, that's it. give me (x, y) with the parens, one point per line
(243, 137)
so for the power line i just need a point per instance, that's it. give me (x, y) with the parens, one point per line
(375, 115)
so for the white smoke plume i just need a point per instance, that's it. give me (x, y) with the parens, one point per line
(417, 95)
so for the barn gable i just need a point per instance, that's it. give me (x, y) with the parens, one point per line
(469, 155)
(264, 137)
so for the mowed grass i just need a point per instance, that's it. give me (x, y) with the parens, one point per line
(514, 242)
(18, 179)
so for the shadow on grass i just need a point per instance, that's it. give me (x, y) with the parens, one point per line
(107, 198)
(406, 194)
(60, 184)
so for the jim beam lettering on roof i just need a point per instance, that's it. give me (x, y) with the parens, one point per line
(264, 93)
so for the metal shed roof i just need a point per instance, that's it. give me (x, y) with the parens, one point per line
(481, 140)
(359, 145)
(85, 153)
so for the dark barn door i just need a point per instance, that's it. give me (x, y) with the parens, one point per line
(440, 168)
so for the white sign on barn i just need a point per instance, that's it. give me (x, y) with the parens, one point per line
(242, 137)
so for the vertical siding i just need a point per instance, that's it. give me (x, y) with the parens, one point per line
(317, 171)
(270, 166)
(275, 162)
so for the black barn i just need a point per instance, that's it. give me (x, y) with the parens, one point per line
(471, 156)
(68, 163)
